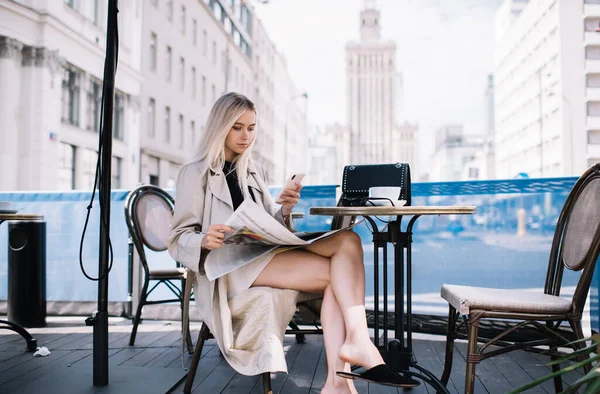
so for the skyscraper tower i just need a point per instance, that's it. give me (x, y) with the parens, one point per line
(371, 92)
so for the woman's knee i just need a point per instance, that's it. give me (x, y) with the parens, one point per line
(349, 241)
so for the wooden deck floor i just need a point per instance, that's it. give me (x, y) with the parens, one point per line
(157, 349)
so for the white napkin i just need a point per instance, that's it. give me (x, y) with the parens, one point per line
(41, 352)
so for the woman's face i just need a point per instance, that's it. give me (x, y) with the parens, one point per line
(240, 136)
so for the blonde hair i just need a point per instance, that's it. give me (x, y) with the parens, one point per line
(211, 147)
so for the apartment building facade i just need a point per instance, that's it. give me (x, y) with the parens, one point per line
(176, 57)
(51, 68)
(543, 57)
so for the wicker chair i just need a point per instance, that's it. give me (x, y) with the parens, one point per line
(148, 211)
(576, 246)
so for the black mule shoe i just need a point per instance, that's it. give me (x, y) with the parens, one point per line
(382, 374)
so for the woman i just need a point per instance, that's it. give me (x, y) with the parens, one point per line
(208, 190)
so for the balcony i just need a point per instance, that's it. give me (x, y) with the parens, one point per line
(593, 151)
(593, 123)
(592, 65)
(484, 249)
(592, 94)
(591, 10)
(591, 38)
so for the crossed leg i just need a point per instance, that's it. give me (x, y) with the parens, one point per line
(332, 266)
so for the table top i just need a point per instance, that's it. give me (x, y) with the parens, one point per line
(20, 216)
(394, 211)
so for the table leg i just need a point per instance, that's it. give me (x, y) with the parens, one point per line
(31, 343)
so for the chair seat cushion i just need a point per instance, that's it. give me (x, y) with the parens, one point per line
(173, 273)
(467, 298)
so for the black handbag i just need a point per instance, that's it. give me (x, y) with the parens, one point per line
(358, 179)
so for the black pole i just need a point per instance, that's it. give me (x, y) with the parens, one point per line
(101, 318)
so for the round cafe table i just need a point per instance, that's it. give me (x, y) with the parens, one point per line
(5, 324)
(397, 352)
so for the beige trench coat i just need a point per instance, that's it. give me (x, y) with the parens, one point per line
(249, 327)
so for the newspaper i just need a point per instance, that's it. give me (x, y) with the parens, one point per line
(255, 233)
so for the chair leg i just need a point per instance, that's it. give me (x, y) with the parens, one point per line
(300, 338)
(578, 331)
(138, 313)
(558, 387)
(452, 318)
(472, 329)
(188, 339)
(189, 380)
(266, 380)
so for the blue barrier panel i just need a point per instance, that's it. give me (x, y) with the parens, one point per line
(65, 213)
(484, 249)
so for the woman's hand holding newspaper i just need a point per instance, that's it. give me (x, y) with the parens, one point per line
(214, 236)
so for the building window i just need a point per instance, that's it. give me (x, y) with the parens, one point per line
(181, 131)
(70, 3)
(204, 91)
(152, 54)
(181, 73)
(183, 19)
(151, 118)
(167, 124)
(593, 108)
(193, 132)
(194, 32)
(94, 98)
(170, 10)
(593, 81)
(214, 53)
(169, 63)
(96, 12)
(193, 82)
(66, 167)
(89, 161)
(70, 96)
(116, 172)
(204, 43)
(214, 93)
(592, 52)
(153, 179)
(473, 173)
(594, 137)
(119, 115)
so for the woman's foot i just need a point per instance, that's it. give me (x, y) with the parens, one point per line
(362, 352)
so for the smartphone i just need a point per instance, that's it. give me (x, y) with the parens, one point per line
(291, 184)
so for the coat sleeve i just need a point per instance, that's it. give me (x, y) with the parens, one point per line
(269, 203)
(186, 234)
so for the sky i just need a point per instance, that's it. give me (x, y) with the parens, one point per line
(445, 50)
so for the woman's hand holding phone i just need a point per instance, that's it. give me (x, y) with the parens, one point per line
(214, 236)
(290, 194)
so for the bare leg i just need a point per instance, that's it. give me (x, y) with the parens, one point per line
(337, 260)
(334, 333)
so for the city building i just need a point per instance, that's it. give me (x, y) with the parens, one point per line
(330, 152)
(51, 70)
(453, 148)
(176, 57)
(192, 53)
(282, 144)
(542, 59)
(483, 164)
(375, 99)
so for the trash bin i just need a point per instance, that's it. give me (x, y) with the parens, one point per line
(27, 273)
